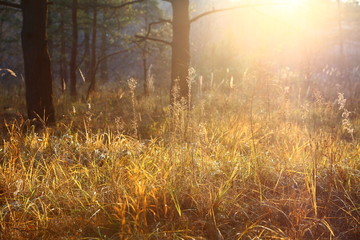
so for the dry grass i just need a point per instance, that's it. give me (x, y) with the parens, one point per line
(242, 164)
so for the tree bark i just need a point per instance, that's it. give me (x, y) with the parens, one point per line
(74, 50)
(62, 70)
(38, 77)
(104, 65)
(180, 47)
(144, 55)
(50, 42)
(145, 69)
(93, 53)
(87, 48)
(1, 38)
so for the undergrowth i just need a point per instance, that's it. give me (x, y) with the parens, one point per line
(247, 161)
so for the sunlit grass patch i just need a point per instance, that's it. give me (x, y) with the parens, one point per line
(234, 166)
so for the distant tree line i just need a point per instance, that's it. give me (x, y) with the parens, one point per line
(80, 36)
(75, 35)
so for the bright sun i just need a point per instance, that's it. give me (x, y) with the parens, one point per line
(289, 8)
(284, 8)
(275, 2)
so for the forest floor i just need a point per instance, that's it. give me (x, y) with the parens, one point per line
(241, 164)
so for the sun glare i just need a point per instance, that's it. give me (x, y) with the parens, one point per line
(285, 3)
(286, 28)
(277, 8)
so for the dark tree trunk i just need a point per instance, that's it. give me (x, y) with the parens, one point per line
(1, 38)
(144, 56)
(63, 71)
(87, 48)
(145, 70)
(93, 54)
(38, 77)
(180, 46)
(50, 42)
(104, 64)
(73, 60)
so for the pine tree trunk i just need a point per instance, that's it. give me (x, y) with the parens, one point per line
(74, 51)
(50, 42)
(87, 50)
(1, 38)
(92, 86)
(62, 70)
(181, 46)
(104, 64)
(145, 70)
(38, 77)
(144, 55)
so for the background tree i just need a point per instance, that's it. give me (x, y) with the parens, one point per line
(105, 6)
(74, 49)
(10, 44)
(38, 76)
(180, 61)
(180, 44)
(151, 52)
(63, 56)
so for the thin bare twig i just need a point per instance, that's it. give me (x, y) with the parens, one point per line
(13, 5)
(154, 39)
(232, 8)
(146, 37)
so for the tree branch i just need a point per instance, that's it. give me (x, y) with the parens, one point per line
(154, 39)
(155, 23)
(146, 37)
(232, 8)
(90, 5)
(13, 5)
(161, 20)
(117, 6)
